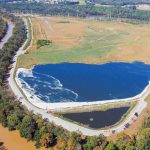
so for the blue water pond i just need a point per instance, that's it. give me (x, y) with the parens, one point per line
(67, 82)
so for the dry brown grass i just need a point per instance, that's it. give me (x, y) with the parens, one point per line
(134, 47)
(61, 31)
(84, 41)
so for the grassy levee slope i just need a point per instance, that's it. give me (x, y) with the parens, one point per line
(83, 41)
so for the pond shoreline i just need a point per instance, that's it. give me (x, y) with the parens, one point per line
(60, 106)
(96, 119)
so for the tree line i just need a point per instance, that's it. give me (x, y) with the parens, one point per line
(9, 49)
(102, 2)
(76, 10)
(46, 134)
(33, 127)
(120, 2)
(3, 28)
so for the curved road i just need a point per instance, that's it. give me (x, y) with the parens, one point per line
(7, 35)
(69, 125)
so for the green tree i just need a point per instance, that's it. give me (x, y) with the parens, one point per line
(47, 140)
(111, 146)
(143, 141)
(3, 118)
(27, 127)
(75, 136)
(13, 120)
(92, 142)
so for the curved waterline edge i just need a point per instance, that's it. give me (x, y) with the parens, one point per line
(59, 106)
(58, 121)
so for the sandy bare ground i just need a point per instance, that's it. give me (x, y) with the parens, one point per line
(144, 7)
(13, 141)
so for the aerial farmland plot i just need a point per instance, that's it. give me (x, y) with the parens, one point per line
(86, 41)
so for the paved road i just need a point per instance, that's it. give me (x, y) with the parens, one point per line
(69, 125)
(8, 34)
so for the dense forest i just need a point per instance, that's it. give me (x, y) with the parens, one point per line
(102, 2)
(121, 2)
(77, 10)
(3, 28)
(14, 116)
(45, 134)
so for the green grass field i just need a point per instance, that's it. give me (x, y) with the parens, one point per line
(83, 41)
(95, 45)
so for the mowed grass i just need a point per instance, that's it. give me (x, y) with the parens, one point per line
(80, 41)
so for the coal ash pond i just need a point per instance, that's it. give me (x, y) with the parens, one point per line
(74, 82)
(98, 119)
